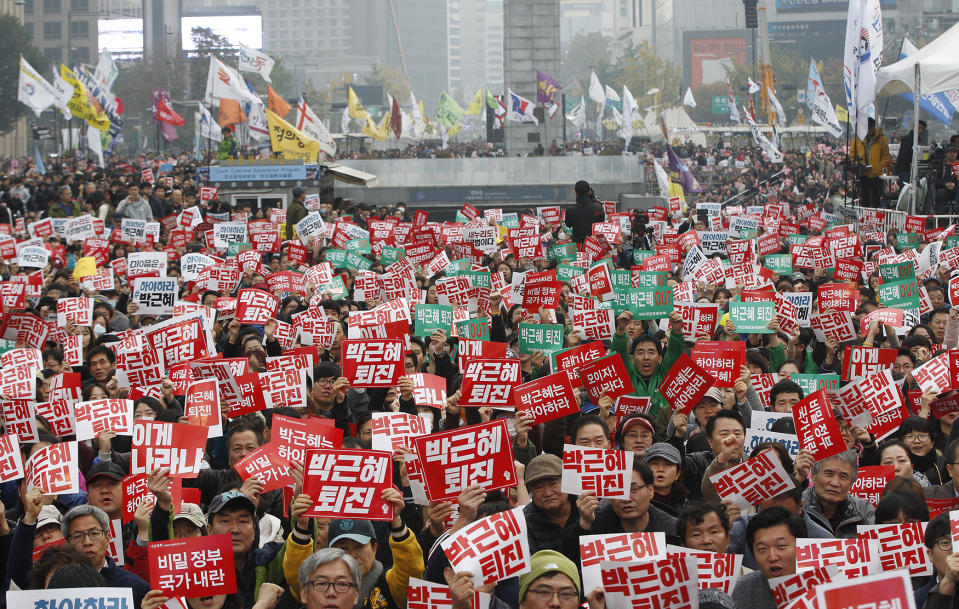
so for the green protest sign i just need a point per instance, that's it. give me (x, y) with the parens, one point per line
(356, 262)
(7, 345)
(899, 294)
(811, 383)
(360, 246)
(562, 252)
(510, 220)
(651, 279)
(779, 263)
(752, 317)
(456, 266)
(951, 242)
(898, 271)
(640, 255)
(473, 329)
(645, 303)
(430, 318)
(565, 272)
(336, 288)
(335, 257)
(905, 241)
(797, 239)
(390, 255)
(235, 248)
(621, 279)
(540, 337)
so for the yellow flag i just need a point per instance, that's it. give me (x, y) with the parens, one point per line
(85, 267)
(356, 109)
(476, 106)
(290, 141)
(379, 132)
(842, 114)
(79, 103)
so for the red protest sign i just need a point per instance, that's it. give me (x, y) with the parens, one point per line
(429, 390)
(848, 270)
(838, 296)
(816, 426)
(193, 567)
(255, 306)
(886, 589)
(135, 492)
(723, 360)
(888, 317)
(490, 382)
(685, 384)
(606, 375)
(547, 398)
(600, 284)
(491, 549)
(602, 471)
(478, 349)
(268, 465)
(348, 483)
(476, 454)
(754, 480)
(96, 416)
(938, 506)
(203, 406)
(296, 436)
(372, 362)
(866, 361)
(177, 446)
(871, 480)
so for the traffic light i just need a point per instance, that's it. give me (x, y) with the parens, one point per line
(752, 19)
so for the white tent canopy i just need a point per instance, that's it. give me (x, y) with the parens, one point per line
(938, 68)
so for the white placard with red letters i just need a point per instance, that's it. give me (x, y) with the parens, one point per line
(492, 549)
(618, 547)
(605, 472)
(754, 480)
(670, 582)
(96, 416)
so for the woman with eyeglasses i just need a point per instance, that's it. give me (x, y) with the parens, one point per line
(917, 435)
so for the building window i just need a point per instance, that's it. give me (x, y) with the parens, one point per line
(79, 5)
(52, 31)
(80, 29)
(28, 7)
(52, 54)
(81, 55)
(51, 6)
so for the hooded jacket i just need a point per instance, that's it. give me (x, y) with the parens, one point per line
(582, 215)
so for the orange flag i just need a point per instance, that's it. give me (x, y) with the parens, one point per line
(277, 104)
(230, 112)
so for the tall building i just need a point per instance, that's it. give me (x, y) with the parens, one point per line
(530, 43)
(475, 46)
(14, 142)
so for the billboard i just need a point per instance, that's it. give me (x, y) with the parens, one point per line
(807, 6)
(709, 58)
(238, 29)
(819, 39)
(120, 36)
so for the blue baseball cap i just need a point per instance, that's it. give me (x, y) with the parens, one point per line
(360, 531)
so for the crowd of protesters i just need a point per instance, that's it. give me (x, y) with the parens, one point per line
(286, 559)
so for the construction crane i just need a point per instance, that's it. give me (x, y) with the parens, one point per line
(766, 67)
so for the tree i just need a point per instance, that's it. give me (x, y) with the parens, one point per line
(641, 70)
(14, 41)
(583, 53)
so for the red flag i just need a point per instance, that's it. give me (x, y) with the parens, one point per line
(167, 114)
(396, 119)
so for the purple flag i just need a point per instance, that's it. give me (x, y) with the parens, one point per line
(167, 130)
(546, 88)
(679, 171)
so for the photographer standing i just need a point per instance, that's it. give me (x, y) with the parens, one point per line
(586, 212)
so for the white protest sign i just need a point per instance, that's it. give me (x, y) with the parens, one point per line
(226, 233)
(155, 296)
(33, 257)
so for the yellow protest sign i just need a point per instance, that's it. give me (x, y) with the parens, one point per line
(290, 141)
(85, 267)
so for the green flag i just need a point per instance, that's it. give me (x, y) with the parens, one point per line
(448, 113)
(491, 100)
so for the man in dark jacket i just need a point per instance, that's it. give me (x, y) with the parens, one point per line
(551, 511)
(586, 212)
(297, 210)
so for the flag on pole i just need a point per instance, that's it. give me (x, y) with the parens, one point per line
(686, 178)
(780, 113)
(252, 60)
(106, 71)
(733, 110)
(290, 141)
(223, 82)
(775, 156)
(33, 90)
(688, 99)
(256, 122)
(230, 113)
(379, 132)
(476, 106)
(546, 90)
(207, 126)
(577, 115)
(497, 106)
(448, 112)
(95, 144)
(162, 110)
(611, 94)
(596, 91)
(520, 109)
(861, 59)
(823, 113)
(79, 103)
(813, 84)
(38, 161)
(309, 123)
(345, 121)
(63, 92)
(630, 113)
(276, 103)
(753, 87)
(396, 118)
(356, 109)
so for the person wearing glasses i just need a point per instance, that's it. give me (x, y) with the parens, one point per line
(940, 590)
(87, 528)
(330, 579)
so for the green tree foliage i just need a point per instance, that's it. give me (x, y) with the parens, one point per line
(586, 52)
(14, 41)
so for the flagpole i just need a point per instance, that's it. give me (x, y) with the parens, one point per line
(563, 108)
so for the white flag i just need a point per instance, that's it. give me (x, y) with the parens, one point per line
(257, 124)
(780, 113)
(753, 87)
(207, 126)
(252, 60)
(33, 90)
(771, 151)
(861, 59)
(345, 122)
(520, 109)
(223, 82)
(823, 113)
(577, 115)
(611, 94)
(63, 92)
(630, 113)
(94, 144)
(596, 91)
(310, 124)
(688, 100)
(106, 71)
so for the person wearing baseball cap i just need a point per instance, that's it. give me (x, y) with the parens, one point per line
(105, 490)
(189, 522)
(48, 526)
(636, 433)
(666, 462)
(550, 510)
(552, 577)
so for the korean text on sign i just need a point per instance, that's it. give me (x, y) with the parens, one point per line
(348, 483)
(607, 473)
(492, 549)
(198, 566)
(617, 547)
(670, 582)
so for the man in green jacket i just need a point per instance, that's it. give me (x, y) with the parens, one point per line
(296, 211)
(647, 365)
